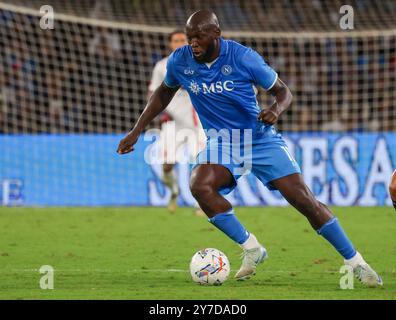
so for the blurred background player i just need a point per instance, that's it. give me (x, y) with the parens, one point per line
(392, 188)
(179, 114)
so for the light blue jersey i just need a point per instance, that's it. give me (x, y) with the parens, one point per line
(224, 93)
(224, 96)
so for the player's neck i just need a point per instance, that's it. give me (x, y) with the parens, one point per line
(216, 52)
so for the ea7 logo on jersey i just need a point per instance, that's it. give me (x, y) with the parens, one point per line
(189, 71)
(218, 87)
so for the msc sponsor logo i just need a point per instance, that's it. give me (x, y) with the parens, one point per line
(218, 87)
(214, 87)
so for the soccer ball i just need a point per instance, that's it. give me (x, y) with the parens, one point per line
(209, 266)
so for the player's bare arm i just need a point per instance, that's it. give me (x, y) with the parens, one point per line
(283, 99)
(158, 101)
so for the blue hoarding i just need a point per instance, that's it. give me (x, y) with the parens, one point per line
(85, 170)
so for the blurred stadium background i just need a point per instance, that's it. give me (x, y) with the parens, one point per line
(67, 96)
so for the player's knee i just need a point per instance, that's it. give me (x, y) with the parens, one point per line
(200, 190)
(392, 186)
(392, 190)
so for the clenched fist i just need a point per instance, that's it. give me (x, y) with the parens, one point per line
(127, 143)
(268, 116)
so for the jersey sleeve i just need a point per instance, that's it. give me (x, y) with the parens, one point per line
(259, 71)
(170, 77)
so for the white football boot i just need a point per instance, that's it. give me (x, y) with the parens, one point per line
(251, 258)
(367, 275)
(363, 272)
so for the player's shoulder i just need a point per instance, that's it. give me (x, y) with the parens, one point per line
(181, 55)
(246, 56)
(237, 48)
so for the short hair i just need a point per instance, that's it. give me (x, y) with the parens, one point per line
(170, 36)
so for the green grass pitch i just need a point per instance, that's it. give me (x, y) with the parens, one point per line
(144, 253)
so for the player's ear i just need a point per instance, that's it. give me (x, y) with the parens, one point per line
(215, 31)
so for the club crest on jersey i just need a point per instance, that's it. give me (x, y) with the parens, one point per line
(226, 69)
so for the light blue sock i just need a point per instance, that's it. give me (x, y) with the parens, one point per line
(333, 232)
(230, 225)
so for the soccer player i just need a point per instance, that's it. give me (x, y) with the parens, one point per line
(221, 76)
(392, 188)
(179, 114)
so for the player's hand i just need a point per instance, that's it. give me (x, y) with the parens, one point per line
(127, 143)
(268, 116)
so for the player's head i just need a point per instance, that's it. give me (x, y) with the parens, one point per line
(177, 39)
(203, 33)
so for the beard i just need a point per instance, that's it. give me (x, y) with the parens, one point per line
(206, 57)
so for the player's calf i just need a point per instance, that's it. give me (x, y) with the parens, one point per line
(322, 220)
(297, 193)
